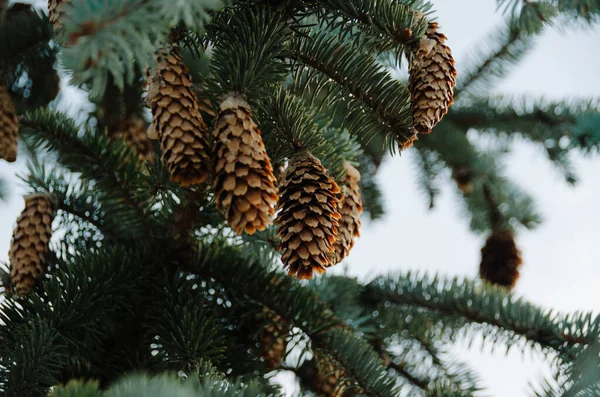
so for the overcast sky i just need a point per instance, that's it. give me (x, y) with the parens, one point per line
(561, 258)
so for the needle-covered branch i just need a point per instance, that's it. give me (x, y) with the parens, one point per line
(391, 26)
(329, 66)
(110, 166)
(301, 307)
(494, 58)
(510, 319)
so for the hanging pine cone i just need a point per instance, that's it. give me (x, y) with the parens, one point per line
(177, 121)
(132, 130)
(350, 210)
(500, 259)
(30, 243)
(272, 338)
(308, 217)
(432, 78)
(329, 380)
(9, 126)
(245, 187)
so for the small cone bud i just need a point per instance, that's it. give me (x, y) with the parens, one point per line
(177, 121)
(9, 126)
(132, 130)
(350, 210)
(500, 259)
(30, 243)
(309, 218)
(432, 78)
(245, 187)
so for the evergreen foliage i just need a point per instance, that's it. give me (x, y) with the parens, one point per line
(149, 293)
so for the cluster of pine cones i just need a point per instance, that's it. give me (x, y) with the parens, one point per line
(317, 223)
(317, 219)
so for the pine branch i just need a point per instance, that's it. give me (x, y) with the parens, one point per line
(54, 323)
(301, 307)
(250, 45)
(502, 50)
(343, 73)
(457, 152)
(483, 305)
(111, 166)
(74, 197)
(430, 168)
(35, 358)
(389, 25)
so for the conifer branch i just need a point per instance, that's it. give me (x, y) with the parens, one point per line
(390, 25)
(481, 304)
(111, 166)
(302, 308)
(508, 46)
(356, 74)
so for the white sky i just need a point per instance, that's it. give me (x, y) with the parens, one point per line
(561, 258)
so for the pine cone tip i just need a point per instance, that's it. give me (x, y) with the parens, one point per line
(500, 259)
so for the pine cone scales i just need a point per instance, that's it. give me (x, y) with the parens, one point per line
(177, 122)
(329, 377)
(350, 210)
(30, 243)
(56, 11)
(133, 131)
(245, 187)
(308, 219)
(432, 78)
(9, 126)
(500, 259)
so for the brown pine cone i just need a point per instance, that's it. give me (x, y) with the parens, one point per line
(329, 380)
(30, 243)
(309, 218)
(132, 130)
(350, 210)
(432, 78)
(177, 121)
(56, 11)
(245, 187)
(500, 259)
(272, 338)
(9, 126)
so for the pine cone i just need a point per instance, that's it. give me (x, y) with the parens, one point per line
(350, 210)
(432, 78)
(9, 126)
(30, 243)
(56, 11)
(308, 217)
(272, 338)
(133, 131)
(245, 187)
(329, 377)
(500, 259)
(177, 121)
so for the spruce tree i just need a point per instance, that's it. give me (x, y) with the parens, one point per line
(230, 151)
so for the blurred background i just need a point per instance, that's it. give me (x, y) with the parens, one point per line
(561, 258)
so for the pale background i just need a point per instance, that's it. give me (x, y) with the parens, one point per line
(561, 258)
